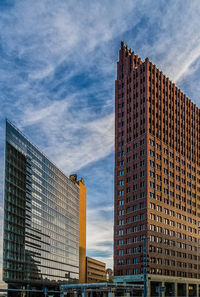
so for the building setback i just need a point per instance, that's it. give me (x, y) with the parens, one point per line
(41, 219)
(157, 179)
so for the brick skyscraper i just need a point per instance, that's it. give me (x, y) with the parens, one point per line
(157, 179)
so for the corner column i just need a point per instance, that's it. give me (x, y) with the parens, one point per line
(175, 289)
(148, 288)
(187, 291)
(162, 294)
(197, 289)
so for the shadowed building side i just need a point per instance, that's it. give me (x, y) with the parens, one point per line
(41, 220)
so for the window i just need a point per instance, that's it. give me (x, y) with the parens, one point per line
(142, 227)
(158, 197)
(135, 260)
(159, 219)
(135, 208)
(128, 220)
(152, 216)
(135, 187)
(135, 239)
(152, 195)
(121, 193)
(166, 221)
(142, 216)
(121, 183)
(120, 232)
(135, 146)
(152, 185)
(152, 206)
(142, 205)
(142, 142)
(135, 250)
(120, 252)
(135, 218)
(135, 271)
(135, 156)
(159, 208)
(142, 195)
(120, 242)
(121, 212)
(128, 261)
(121, 222)
(142, 184)
(128, 210)
(128, 251)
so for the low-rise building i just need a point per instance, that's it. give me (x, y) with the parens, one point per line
(95, 270)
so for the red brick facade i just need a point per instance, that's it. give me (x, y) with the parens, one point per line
(157, 172)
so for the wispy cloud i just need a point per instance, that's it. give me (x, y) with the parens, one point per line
(80, 137)
(169, 35)
(50, 56)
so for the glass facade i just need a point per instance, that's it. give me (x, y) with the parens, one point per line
(41, 216)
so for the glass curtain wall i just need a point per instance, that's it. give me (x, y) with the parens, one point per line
(41, 216)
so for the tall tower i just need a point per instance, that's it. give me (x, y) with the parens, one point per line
(157, 179)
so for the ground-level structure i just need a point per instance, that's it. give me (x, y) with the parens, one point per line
(164, 286)
(101, 290)
(173, 286)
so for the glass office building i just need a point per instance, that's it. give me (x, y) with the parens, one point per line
(41, 217)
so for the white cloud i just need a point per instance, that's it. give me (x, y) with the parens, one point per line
(45, 36)
(178, 38)
(48, 32)
(79, 139)
(33, 115)
(100, 233)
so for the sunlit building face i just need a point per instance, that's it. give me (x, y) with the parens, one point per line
(157, 177)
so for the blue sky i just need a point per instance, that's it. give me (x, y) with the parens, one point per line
(57, 75)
